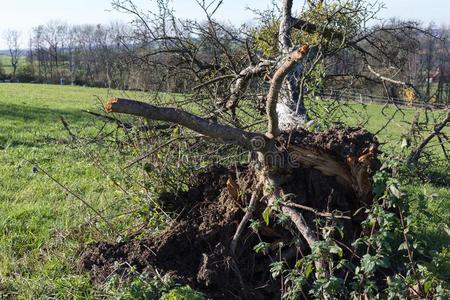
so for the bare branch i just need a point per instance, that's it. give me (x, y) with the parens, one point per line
(241, 83)
(219, 78)
(312, 28)
(338, 215)
(398, 82)
(415, 155)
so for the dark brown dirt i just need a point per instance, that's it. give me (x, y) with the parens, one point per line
(341, 141)
(194, 249)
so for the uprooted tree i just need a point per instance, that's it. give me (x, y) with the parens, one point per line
(301, 219)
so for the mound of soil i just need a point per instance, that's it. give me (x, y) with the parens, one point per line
(194, 249)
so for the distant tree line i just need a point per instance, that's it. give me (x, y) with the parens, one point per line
(416, 61)
(81, 54)
(413, 62)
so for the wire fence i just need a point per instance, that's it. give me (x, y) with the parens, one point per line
(365, 98)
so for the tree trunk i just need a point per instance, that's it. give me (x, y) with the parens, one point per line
(291, 110)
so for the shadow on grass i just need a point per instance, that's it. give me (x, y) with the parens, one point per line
(6, 143)
(439, 179)
(439, 176)
(41, 114)
(44, 122)
(436, 242)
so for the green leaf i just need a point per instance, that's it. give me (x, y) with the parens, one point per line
(378, 188)
(335, 249)
(276, 268)
(342, 263)
(266, 214)
(368, 263)
(261, 247)
(340, 230)
(255, 225)
(394, 191)
(384, 262)
(299, 263)
(403, 246)
(148, 167)
(176, 132)
(308, 269)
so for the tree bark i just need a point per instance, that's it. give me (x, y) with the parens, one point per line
(291, 112)
(275, 87)
(224, 133)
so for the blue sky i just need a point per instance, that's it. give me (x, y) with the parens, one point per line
(25, 14)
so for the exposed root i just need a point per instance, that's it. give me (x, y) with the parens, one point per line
(210, 246)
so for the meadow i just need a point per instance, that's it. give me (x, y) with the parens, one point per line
(43, 226)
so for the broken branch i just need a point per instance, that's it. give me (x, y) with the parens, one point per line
(223, 133)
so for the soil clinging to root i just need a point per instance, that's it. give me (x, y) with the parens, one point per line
(334, 174)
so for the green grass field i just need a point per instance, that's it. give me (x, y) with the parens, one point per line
(43, 227)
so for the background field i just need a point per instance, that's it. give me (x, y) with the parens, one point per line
(5, 64)
(43, 227)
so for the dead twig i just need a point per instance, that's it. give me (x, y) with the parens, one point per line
(66, 189)
(250, 209)
(339, 215)
(73, 137)
(442, 143)
(415, 154)
(144, 156)
(410, 254)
